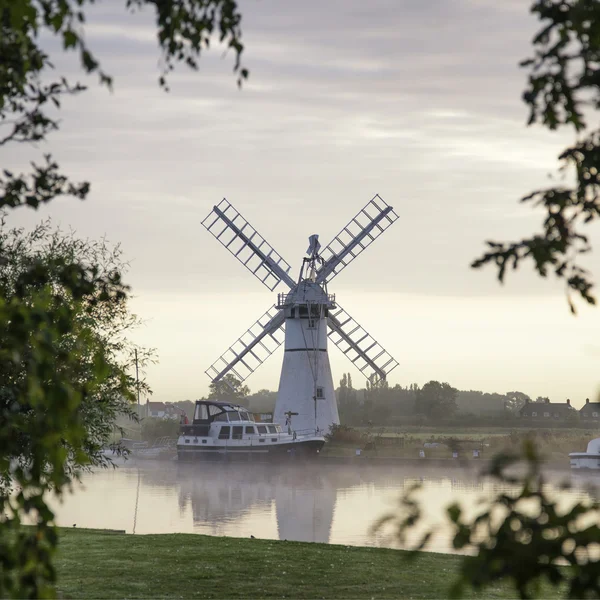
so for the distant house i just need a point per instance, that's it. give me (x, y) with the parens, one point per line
(157, 409)
(590, 411)
(539, 412)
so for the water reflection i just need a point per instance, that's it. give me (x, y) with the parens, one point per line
(316, 503)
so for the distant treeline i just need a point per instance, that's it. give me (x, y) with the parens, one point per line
(378, 403)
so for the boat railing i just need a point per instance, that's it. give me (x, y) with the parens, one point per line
(306, 432)
(164, 442)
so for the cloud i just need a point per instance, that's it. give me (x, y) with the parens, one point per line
(417, 101)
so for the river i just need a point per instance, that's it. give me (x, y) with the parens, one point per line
(315, 503)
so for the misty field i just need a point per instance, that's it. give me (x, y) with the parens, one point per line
(554, 445)
(97, 564)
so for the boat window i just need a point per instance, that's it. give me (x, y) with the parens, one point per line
(224, 432)
(213, 410)
(234, 415)
(262, 440)
(250, 429)
(262, 429)
(245, 416)
(272, 428)
(278, 427)
(221, 417)
(237, 432)
(273, 439)
(201, 413)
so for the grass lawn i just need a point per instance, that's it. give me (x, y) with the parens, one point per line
(96, 564)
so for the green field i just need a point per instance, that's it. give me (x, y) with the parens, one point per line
(96, 564)
(553, 444)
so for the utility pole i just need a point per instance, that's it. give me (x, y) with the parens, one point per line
(137, 382)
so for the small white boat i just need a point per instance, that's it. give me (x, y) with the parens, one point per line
(221, 430)
(590, 459)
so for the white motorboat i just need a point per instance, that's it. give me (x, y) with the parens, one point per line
(221, 430)
(590, 459)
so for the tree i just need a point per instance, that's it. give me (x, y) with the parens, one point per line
(436, 400)
(262, 401)
(229, 389)
(105, 322)
(348, 405)
(516, 401)
(43, 335)
(564, 79)
(61, 388)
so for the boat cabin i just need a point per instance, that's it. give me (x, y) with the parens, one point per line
(225, 421)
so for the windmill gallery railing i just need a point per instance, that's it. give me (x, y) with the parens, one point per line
(288, 298)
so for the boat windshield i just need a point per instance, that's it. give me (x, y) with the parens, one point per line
(233, 415)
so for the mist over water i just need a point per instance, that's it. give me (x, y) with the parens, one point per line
(313, 503)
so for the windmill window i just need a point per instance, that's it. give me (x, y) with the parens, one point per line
(237, 433)
(262, 429)
(224, 432)
(320, 393)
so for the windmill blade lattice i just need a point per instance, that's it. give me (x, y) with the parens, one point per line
(252, 349)
(359, 346)
(360, 232)
(247, 245)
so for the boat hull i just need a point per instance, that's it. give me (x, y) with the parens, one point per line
(583, 460)
(284, 451)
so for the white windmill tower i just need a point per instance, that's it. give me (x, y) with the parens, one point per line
(307, 312)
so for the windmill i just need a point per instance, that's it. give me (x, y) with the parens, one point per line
(305, 316)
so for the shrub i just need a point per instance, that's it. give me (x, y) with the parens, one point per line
(343, 434)
(153, 428)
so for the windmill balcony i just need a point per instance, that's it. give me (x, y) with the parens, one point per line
(284, 300)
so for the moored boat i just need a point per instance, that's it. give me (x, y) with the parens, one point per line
(590, 459)
(221, 430)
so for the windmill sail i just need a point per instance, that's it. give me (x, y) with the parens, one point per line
(247, 245)
(367, 355)
(252, 349)
(360, 232)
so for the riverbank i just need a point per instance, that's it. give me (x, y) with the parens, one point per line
(104, 564)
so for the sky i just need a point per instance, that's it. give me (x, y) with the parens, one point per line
(419, 102)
